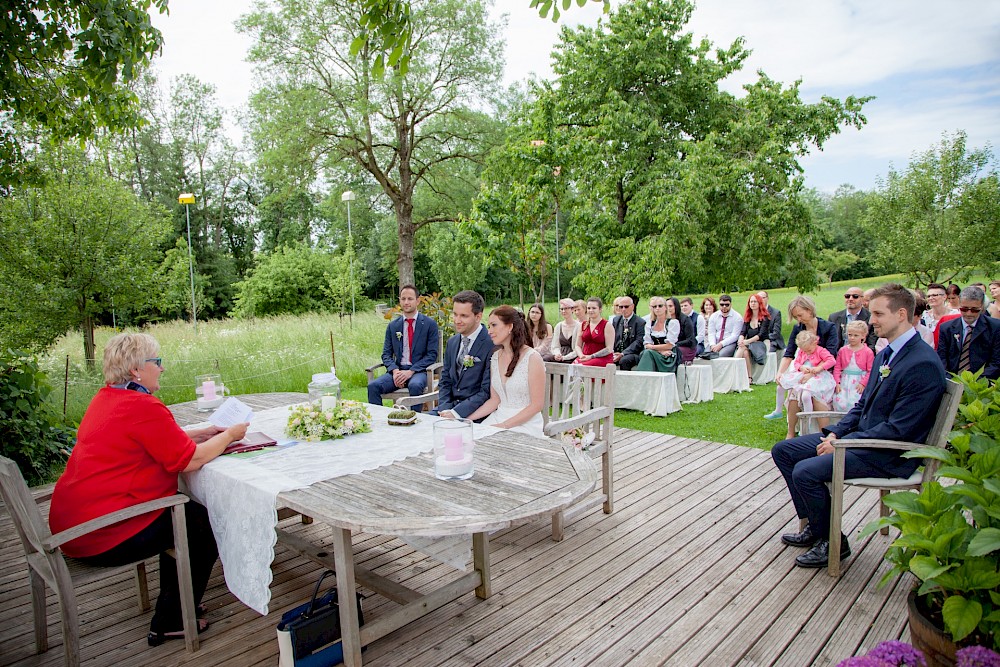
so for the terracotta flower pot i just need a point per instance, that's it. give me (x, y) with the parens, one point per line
(932, 641)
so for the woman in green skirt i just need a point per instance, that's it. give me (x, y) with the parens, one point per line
(662, 332)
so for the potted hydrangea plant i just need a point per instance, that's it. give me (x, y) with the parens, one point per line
(950, 533)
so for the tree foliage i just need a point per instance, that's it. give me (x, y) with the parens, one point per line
(323, 107)
(293, 279)
(940, 217)
(73, 248)
(67, 66)
(680, 186)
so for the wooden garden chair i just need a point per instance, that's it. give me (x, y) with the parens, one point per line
(47, 565)
(938, 437)
(582, 397)
(433, 377)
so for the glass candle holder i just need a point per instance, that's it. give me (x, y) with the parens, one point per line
(209, 391)
(453, 445)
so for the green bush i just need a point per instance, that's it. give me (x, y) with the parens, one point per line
(31, 432)
(291, 280)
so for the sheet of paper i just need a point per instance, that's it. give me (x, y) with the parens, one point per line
(233, 411)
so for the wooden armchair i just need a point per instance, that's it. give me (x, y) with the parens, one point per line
(938, 437)
(398, 396)
(582, 397)
(48, 566)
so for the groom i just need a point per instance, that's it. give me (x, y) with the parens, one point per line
(465, 378)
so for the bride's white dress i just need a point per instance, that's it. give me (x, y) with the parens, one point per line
(514, 395)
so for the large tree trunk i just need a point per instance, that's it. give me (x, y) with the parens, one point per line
(407, 232)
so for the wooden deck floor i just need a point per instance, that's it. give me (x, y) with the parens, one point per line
(687, 571)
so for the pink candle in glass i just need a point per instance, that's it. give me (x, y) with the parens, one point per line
(453, 449)
(208, 390)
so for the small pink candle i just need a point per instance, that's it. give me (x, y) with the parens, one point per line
(453, 449)
(208, 390)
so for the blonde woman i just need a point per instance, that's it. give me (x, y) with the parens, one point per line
(565, 334)
(130, 450)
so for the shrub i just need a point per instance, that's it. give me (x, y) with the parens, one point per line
(31, 432)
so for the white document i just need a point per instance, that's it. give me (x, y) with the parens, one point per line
(233, 411)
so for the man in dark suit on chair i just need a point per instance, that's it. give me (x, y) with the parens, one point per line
(853, 312)
(465, 377)
(411, 346)
(899, 403)
(971, 341)
(629, 330)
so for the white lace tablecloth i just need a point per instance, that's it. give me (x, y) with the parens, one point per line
(648, 391)
(765, 373)
(728, 374)
(694, 383)
(241, 493)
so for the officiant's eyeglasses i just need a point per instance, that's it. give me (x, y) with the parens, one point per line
(966, 309)
(156, 360)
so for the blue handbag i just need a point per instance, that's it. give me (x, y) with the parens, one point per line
(309, 635)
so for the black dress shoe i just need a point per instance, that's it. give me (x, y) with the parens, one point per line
(803, 539)
(819, 555)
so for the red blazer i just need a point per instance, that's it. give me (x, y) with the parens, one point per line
(129, 450)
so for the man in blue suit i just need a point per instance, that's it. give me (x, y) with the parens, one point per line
(465, 378)
(411, 345)
(972, 341)
(899, 403)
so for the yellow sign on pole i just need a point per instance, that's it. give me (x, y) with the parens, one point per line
(186, 198)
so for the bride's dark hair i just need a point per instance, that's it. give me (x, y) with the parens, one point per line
(519, 336)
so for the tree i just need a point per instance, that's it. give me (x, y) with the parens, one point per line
(683, 187)
(399, 131)
(67, 69)
(293, 279)
(941, 217)
(72, 246)
(173, 281)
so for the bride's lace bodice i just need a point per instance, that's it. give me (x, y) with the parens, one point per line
(514, 395)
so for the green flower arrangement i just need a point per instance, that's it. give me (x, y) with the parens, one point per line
(308, 421)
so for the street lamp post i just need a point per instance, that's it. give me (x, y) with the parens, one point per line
(187, 199)
(349, 196)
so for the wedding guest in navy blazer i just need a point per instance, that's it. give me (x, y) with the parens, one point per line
(900, 403)
(984, 346)
(411, 346)
(465, 378)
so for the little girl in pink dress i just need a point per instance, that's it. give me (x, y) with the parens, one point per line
(854, 364)
(809, 379)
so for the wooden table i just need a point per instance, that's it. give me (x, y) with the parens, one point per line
(518, 478)
(187, 413)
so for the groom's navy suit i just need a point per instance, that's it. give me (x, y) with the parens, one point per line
(902, 406)
(463, 390)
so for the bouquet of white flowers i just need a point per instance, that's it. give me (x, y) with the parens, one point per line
(309, 421)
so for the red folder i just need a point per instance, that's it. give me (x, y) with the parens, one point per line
(251, 443)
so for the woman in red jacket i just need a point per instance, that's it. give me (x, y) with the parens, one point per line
(130, 450)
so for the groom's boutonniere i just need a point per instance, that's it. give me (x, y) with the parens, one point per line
(884, 371)
(468, 361)
(399, 335)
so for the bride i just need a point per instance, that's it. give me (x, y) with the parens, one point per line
(516, 393)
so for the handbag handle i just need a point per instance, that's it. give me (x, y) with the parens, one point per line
(312, 600)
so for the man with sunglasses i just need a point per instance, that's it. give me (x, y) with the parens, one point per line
(629, 329)
(972, 341)
(853, 312)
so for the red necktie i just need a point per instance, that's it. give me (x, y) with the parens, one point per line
(409, 333)
(722, 331)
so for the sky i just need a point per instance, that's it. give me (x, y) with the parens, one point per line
(933, 66)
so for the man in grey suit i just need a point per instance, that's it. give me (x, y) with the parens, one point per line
(854, 312)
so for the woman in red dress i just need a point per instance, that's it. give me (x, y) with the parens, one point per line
(129, 450)
(597, 337)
